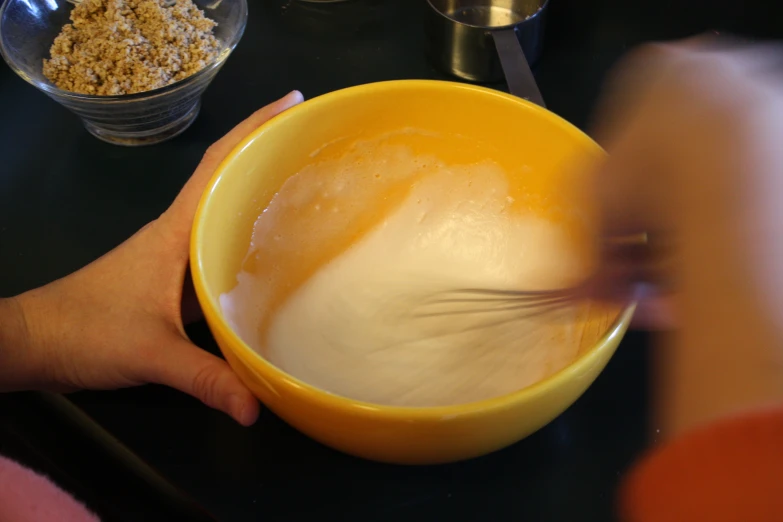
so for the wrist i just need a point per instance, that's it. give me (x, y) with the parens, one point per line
(724, 360)
(17, 354)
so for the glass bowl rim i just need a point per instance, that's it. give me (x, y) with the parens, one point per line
(54, 91)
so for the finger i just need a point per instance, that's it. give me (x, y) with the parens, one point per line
(227, 143)
(706, 41)
(629, 83)
(655, 311)
(219, 150)
(655, 308)
(188, 198)
(628, 126)
(631, 187)
(188, 368)
(636, 269)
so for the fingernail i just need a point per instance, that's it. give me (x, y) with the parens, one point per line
(296, 96)
(240, 411)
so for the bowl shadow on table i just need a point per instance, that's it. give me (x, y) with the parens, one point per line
(569, 470)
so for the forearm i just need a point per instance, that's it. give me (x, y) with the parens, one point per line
(716, 368)
(719, 423)
(727, 355)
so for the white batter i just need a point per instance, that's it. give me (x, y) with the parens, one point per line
(363, 325)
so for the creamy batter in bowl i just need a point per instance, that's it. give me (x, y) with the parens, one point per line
(546, 161)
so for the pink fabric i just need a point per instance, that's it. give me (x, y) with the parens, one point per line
(26, 496)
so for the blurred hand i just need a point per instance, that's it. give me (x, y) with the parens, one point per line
(694, 133)
(118, 322)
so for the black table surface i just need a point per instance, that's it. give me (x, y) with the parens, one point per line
(66, 198)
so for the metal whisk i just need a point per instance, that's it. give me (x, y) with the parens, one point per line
(521, 303)
(489, 300)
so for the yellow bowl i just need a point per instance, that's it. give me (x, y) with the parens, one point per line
(546, 154)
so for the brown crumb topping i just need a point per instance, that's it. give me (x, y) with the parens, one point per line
(115, 47)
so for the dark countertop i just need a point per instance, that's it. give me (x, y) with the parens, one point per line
(66, 198)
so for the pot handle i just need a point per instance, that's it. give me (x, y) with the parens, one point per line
(519, 77)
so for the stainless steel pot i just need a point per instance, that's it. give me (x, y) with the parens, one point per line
(487, 40)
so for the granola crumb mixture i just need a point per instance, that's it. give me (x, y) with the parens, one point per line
(115, 47)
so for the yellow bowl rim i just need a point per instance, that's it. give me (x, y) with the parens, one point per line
(347, 405)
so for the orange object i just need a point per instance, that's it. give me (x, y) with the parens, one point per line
(730, 471)
(546, 158)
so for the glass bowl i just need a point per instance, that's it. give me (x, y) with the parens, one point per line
(28, 29)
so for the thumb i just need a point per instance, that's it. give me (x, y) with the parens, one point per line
(186, 367)
(186, 202)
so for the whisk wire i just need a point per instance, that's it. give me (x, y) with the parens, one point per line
(510, 305)
(530, 301)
